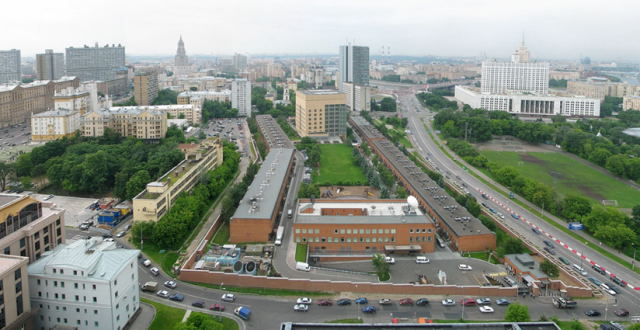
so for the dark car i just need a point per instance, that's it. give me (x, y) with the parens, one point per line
(369, 309)
(325, 302)
(361, 301)
(599, 269)
(550, 250)
(502, 302)
(406, 301)
(217, 307)
(535, 230)
(199, 304)
(592, 313)
(613, 287)
(548, 243)
(343, 302)
(422, 302)
(176, 297)
(621, 312)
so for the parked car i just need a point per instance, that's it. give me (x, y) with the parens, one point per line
(599, 269)
(613, 287)
(502, 302)
(468, 302)
(422, 302)
(448, 302)
(464, 267)
(515, 216)
(217, 308)
(176, 297)
(163, 293)
(594, 281)
(154, 271)
(369, 309)
(592, 313)
(343, 302)
(228, 297)
(422, 260)
(550, 250)
(486, 309)
(548, 243)
(170, 284)
(361, 301)
(483, 301)
(300, 307)
(406, 301)
(304, 300)
(325, 302)
(621, 312)
(390, 260)
(384, 301)
(535, 230)
(563, 260)
(199, 304)
(121, 234)
(146, 262)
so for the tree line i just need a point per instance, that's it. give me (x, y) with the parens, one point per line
(387, 104)
(216, 109)
(436, 101)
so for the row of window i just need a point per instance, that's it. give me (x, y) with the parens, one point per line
(362, 231)
(345, 239)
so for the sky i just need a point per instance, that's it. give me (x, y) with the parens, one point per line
(557, 29)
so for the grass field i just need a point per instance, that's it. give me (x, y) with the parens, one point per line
(222, 235)
(566, 176)
(166, 317)
(165, 260)
(337, 167)
(301, 252)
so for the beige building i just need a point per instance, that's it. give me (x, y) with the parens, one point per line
(15, 306)
(145, 87)
(76, 99)
(140, 122)
(54, 124)
(600, 89)
(566, 75)
(29, 227)
(18, 102)
(196, 98)
(206, 83)
(631, 103)
(321, 113)
(153, 202)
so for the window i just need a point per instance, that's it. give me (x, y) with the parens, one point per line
(62, 284)
(94, 286)
(75, 272)
(18, 274)
(39, 293)
(77, 298)
(95, 323)
(75, 285)
(56, 295)
(95, 311)
(348, 231)
(7, 250)
(38, 281)
(374, 231)
(55, 283)
(341, 231)
(411, 230)
(77, 309)
(116, 294)
(22, 242)
(95, 299)
(64, 296)
(19, 287)
(297, 230)
(55, 271)
(361, 231)
(36, 236)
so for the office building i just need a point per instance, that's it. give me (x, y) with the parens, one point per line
(519, 75)
(95, 63)
(144, 123)
(206, 83)
(197, 98)
(354, 65)
(321, 113)
(10, 67)
(54, 124)
(631, 103)
(19, 101)
(50, 65)
(330, 226)
(87, 284)
(239, 62)
(358, 96)
(76, 99)
(145, 87)
(15, 306)
(241, 96)
(29, 227)
(158, 197)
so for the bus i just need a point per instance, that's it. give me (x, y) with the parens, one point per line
(279, 234)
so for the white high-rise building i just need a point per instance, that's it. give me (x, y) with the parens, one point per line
(10, 69)
(95, 63)
(50, 65)
(519, 75)
(88, 284)
(241, 96)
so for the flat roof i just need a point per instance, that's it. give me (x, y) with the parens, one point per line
(54, 113)
(526, 263)
(262, 195)
(272, 132)
(320, 91)
(416, 326)
(372, 208)
(8, 262)
(634, 131)
(6, 199)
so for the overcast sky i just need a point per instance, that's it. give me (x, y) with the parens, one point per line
(553, 28)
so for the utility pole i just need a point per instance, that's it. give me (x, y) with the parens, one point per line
(466, 124)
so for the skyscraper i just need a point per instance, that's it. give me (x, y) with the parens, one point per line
(50, 65)
(181, 58)
(239, 62)
(519, 75)
(10, 65)
(241, 96)
(145, 87)
(354, 64)
(95, 63)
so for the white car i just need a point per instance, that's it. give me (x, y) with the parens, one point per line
(229, 297)
(154, 271)
(301, 308)
(607, 289)
(170, 284)
(163, 293)
(304, 300)
(422, 260)
(390, 260)
(448, 302)
(483, 301)
(486, 309)
(464, 267)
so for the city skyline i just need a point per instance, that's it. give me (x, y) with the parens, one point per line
(412, 28)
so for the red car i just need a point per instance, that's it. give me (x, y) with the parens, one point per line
(406, 301)
(468, 302)
(217, 307)
(325, 302)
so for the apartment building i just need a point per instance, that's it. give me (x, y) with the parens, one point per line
(54, 124)
(201, 83)
(87, 284)
(15, 306)
(599, 89)
(367, 227)
(50, 65)
(358, 96)
(158, 197)
(10, 69)
(75, 99)
(29, 227)
(321, 113)
(95, 63)
(241, 96)
(197, 98)
(142, 123)
(631, 103)
(145, 87)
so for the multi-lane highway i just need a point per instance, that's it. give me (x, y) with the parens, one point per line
(575, 251)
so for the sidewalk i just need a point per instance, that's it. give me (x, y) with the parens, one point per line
(145, 317)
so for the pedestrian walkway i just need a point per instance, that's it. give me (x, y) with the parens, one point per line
(144, 317)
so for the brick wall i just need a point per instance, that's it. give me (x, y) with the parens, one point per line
(250, 230)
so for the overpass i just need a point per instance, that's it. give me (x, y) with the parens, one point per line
(447, 84)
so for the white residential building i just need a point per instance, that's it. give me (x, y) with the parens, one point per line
(88, 284)
(519, 75)
(241, 96)
(358, 96)
(54, 124)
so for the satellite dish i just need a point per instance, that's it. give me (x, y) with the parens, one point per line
(413, 202)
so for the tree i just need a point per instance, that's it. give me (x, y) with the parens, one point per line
(517, 313)
(616, 164)
(25, 182)
(381, 266)
(549, 268)
(511, 245)
(388, 104)
(575, 207)
(7, 171)
(165, 96)
(616, 235)
(137, 183)
(635, 326)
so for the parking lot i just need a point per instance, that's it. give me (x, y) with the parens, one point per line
(15, 141)
(76, 208)
(228, 129)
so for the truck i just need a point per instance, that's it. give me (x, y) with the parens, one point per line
(563, 303)
(243, 312)
(279, 235)
(150, 286)
(303, 266)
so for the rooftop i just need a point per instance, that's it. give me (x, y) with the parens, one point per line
(635, 131)
(272, 132)
(6, 199)
(262, 195)
(8, 262)
(370, 212)
(152, 107)
(320, 91)
(526, 263)
(205, 93)
(415, 326)
(55, 113)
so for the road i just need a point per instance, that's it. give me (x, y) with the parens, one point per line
(575, 251)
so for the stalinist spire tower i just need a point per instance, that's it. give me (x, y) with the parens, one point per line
(181, 59)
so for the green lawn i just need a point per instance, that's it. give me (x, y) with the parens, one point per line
(228, 324)
(566, 176)
(338, 167)
(483, 256)
(301, 252)
(164, 260)
(221, 236)
(166, 317)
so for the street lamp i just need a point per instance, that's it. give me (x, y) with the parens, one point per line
(141, 240)
(462, 314)
(633, 263)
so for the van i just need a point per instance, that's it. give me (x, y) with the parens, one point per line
(422, 260)
(579, 269)
(303, 266)
(440, 243)
(289, 213)
(146, 262)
